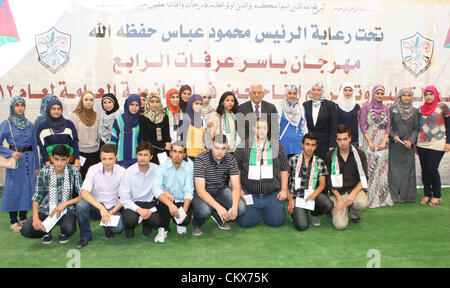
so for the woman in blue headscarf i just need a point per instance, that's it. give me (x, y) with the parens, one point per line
(19, 184)
(194, 131)
(42, 118)
(56, 130)
(292, 122)
(125, 133)
(43, 110)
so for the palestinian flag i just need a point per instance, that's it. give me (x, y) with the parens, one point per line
(8, 31)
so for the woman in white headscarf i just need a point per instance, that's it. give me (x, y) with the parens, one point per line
(321, 117)
(349, 111)
(292, 122)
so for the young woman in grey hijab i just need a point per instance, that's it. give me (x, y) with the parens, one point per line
(402, 140)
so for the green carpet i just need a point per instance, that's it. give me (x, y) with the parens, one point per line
(406, 235)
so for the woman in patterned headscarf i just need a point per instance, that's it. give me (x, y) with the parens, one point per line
(321, 118)
(402, 140)
(433, 143)
(155, 126)
(19, 183)
(110, 107)
(376, 125)
(292, 122)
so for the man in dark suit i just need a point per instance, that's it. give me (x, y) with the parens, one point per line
(249, 111)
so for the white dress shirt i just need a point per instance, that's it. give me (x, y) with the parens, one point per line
(136, 186)
(104, 187)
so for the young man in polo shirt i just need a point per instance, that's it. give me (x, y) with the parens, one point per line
(212, 171)
(100, 193)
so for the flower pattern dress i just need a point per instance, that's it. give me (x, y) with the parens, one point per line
(378, 164)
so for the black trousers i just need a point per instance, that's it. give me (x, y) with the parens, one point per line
(67, 225)
(13, 216)
(431, 179)
(131, 218)
(91, 159)
(300, 216)
(165, 215)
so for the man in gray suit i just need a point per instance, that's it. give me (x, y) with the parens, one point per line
(249, 111)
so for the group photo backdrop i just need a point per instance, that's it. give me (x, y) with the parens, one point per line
(68, 46)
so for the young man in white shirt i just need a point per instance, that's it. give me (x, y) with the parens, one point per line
(100, 193)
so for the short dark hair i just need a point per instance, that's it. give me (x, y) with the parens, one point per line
(179, 144)
(145, 145)
(220, 139)
(343, 129)
(61, 150)
(310, 136)
(108, 148)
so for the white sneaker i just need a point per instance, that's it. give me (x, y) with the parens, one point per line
(181, 230)
(315, 221)
(162, 235)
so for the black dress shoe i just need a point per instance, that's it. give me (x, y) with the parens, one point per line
(356, 220)
(129, 233)
(109, 234)
(83, 243)
(146, 230)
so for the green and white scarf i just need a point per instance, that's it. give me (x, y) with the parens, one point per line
(312, 183)
(256, 170)
(335, 165)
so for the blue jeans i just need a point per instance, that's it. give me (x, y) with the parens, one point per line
(223, 197)
(85, 212)
(272, 210)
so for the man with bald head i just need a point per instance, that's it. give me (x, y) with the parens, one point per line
(249, 111)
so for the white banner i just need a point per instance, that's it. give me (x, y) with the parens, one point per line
(66, 47)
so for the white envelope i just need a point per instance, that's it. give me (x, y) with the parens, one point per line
(337, 181)
(142, 219)
(248, 199)
(50, 222)
(162, 157)
(114, 219)
(298, 182)
(182, 216)
(301, 203)
(82, 161)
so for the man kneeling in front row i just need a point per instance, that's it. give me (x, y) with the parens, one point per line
(347, 179)
(174, 188)
(100, 193)
(307, 181)
(58, 187)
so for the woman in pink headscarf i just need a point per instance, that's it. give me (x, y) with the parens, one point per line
(375, 125)
(433, 142)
